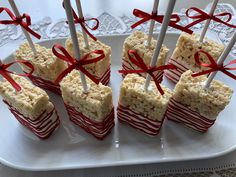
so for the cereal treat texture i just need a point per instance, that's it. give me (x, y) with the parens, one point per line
(99, 68)
(190, 92)
(31, 101)
(187, 45)
(137, 41)
(96, 104)
(46, 65)
(149, 103)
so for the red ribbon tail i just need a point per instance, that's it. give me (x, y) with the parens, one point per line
(9, 79)
(181, 28)
(229, 74)
(85, 29)
(90, 76)
(139, 23)
(203, 72)
(33, 33)
(159, 87)
(64, 73)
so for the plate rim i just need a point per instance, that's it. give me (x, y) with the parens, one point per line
(116, 163)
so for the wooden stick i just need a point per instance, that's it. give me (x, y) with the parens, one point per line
(74, 38)
(80, 12)
(160, 39)
(152, 23)
(17, 13)
(204, 31)
(221, 60)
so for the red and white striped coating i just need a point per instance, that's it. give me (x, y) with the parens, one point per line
(49, 85)
(182, 114)
(45, 84)
(97, 129)
(128, 66)
(43, 126)
(138, 121)
(105, 79)
(175, 74)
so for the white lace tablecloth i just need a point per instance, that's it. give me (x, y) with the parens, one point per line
(113, 22)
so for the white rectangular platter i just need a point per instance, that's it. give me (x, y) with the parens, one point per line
(71, 148)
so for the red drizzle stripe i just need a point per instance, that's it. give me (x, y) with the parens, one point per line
(174, 75)
(55, 88)
(139, 121)
(180, 113)
(105, 79)
(43, 126)
(128, 66)
(98, 129)
(45, 84)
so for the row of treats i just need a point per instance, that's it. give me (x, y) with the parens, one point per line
(83, 83)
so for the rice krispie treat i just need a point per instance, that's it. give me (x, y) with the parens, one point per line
(93, 111)
(183, 55)
(30, 106)
(137, 41)
(101, 69)
(195, 106)
(143, 110)
(46, 66)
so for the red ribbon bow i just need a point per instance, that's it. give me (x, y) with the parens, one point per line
(6, 73)
(213, 65)
(138, 61)
(158, 18)
(76, 64)
(82, 22)
(24, 21)
(202, 16)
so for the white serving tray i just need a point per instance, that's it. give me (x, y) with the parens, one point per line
(71, 148)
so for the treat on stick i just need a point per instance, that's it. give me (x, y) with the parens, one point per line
(29, 104)
(183, 55)
(137, 42)
(47, 67)
(143, 110)
(194, 106)
(145, 44)
(89, 105)
(197, 100)
(101, 70)
(188, 45)
(144, 107)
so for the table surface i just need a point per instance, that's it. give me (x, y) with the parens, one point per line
(47, 18)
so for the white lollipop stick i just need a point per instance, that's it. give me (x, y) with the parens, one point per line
(160, 39)
(221, 60)
(213, 7)
(17, 13)
(152, 23)
(80, 12)
(74, 38)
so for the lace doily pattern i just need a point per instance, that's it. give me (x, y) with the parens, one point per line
(110, 25)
